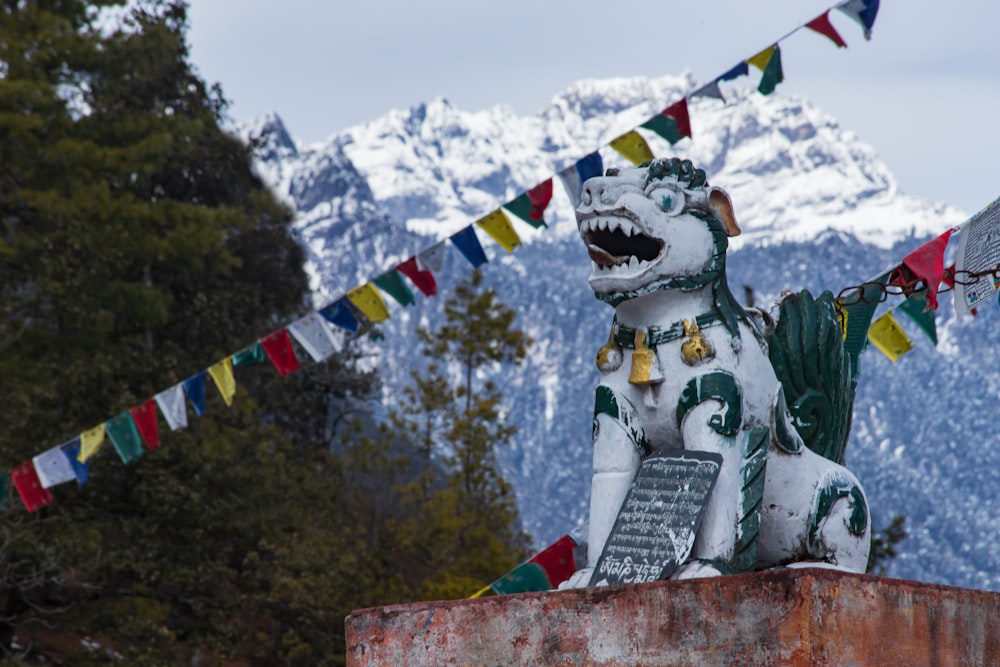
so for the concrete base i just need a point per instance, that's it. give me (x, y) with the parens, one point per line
(778, 617)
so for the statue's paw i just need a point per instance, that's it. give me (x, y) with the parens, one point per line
(696, 569)
(579, 579)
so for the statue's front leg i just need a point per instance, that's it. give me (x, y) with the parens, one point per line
(619, 445)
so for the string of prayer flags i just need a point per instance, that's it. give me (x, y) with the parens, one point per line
(125, 437)
(422, 278)
(822, 25)
(144, 416)
(926, 263)
(341, 313)
(431, 259)
(90, 441)
(391, 282)
(81, 470)
(575, 176)
(915, 307)
(859, 307)
(530, 206)
(52, 467)
(194, 389)
(279, 350)
(498, 226)
(886, 334)
(633, 147)
(673, 123)
(862, 11)
(314, 336)
(768, 61)
(173, 407)
(468, 244)
(222, 374)
(367, 299)
(25, 479)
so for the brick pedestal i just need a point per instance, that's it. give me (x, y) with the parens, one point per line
(780, 617)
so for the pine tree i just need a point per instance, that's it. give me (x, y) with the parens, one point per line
(466, 532)
(137, 247)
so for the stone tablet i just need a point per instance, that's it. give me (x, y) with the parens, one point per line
(658, 521)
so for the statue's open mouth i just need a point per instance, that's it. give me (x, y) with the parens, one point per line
(613, 242)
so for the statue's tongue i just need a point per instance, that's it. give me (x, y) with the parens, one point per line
(602, 256)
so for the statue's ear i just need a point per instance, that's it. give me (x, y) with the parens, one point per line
(723, 207)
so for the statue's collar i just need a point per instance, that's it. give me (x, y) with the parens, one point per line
(625, 336)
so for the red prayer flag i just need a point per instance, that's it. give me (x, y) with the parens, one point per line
(557, 560)
(278, 347)
(540, 196)
(822, 25)
(144, 416)
(679, 112)
(30, 487)
(926, 263)
(422, 278)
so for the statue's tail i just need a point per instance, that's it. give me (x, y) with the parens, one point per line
(807, 352)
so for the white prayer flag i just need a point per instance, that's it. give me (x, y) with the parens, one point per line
(53, 467)
(570, 178)
(171, 402)
(431, 259)
(978, 250)
(314, 336)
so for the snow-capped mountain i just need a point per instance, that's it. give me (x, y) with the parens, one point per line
(819, 211)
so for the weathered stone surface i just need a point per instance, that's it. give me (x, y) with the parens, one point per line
(792, 617)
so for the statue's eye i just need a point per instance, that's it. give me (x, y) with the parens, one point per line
(671, 201)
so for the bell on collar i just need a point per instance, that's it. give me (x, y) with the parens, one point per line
(645, 368)
(696, 348)
(609, 357)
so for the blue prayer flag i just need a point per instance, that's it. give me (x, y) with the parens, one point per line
(341, 313)
(194, 388)
(468, 244)
(72, 450)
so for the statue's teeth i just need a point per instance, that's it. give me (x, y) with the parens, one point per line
(633, 263)
(613, 224)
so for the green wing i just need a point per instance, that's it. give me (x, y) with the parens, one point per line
(807, 352)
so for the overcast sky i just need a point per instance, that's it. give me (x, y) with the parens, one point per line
(925, 91)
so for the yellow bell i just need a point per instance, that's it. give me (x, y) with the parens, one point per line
(696, 348)
(609, 357)
(642, 361)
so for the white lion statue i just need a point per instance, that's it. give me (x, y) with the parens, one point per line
(687, 368)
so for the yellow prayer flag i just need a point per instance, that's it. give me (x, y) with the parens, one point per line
(886, 334)
(367, 299)
(761, 60)
(222, 373)
(90, 441)
(497, 225)
(633, 147)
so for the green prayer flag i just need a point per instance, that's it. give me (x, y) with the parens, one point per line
(4, 477)
(522, 207)
(524, 578)
(916, 308)
(124, 435)
(772, 73)
(391, 282)
(665, 126)
(860, 308)
(250, 355)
